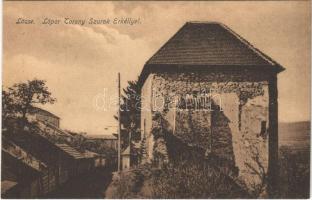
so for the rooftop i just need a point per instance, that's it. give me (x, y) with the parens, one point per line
(37, 110)
(105, 137)
(209, 45)
(71, 151)
(22, 155)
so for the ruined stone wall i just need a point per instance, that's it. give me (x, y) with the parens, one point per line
(233, 127)
(146, 116)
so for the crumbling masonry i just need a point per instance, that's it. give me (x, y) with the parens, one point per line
(215, 92)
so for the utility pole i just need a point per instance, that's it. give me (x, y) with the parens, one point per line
(132, 127)
(119, 125)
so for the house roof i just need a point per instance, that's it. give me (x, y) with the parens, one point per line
(37, 110)
(209, 45)
(35, 143)
(71, 151)
(22, 155)
(55, 128)
(104, 137)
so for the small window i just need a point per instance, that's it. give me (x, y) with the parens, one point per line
(263, 129)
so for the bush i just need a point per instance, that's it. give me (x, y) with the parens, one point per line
(194, 180)
(189, 174)
(185, 180)
(294, 173)
(127, 184)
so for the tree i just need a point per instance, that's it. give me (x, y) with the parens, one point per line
(7, 106)
(130, 110)
(21, 98)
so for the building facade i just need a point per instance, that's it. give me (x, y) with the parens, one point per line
(214, 91)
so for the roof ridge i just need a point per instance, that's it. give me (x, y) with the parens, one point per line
(179, 30)
(209, 44)
(44, 110)
(204, 22)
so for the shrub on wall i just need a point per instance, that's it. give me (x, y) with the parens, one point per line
(184, 180)
(160, 152)
(194, 180)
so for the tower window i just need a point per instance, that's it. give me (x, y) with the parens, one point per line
(263, 130)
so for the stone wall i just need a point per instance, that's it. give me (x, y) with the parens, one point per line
(146, 117)
(233, 124)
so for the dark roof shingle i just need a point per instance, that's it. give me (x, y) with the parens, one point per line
(209, 44)
(104, 137)
(71, 151)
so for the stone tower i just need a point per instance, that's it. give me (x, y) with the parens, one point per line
(215, 92)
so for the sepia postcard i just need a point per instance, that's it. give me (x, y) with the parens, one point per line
(156, 99)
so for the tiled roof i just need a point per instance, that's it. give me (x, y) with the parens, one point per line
(37, 110)
(55, 128)
(104, 137)
(71, 151)
(35, 143)
(209, 45)
(22, 155)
